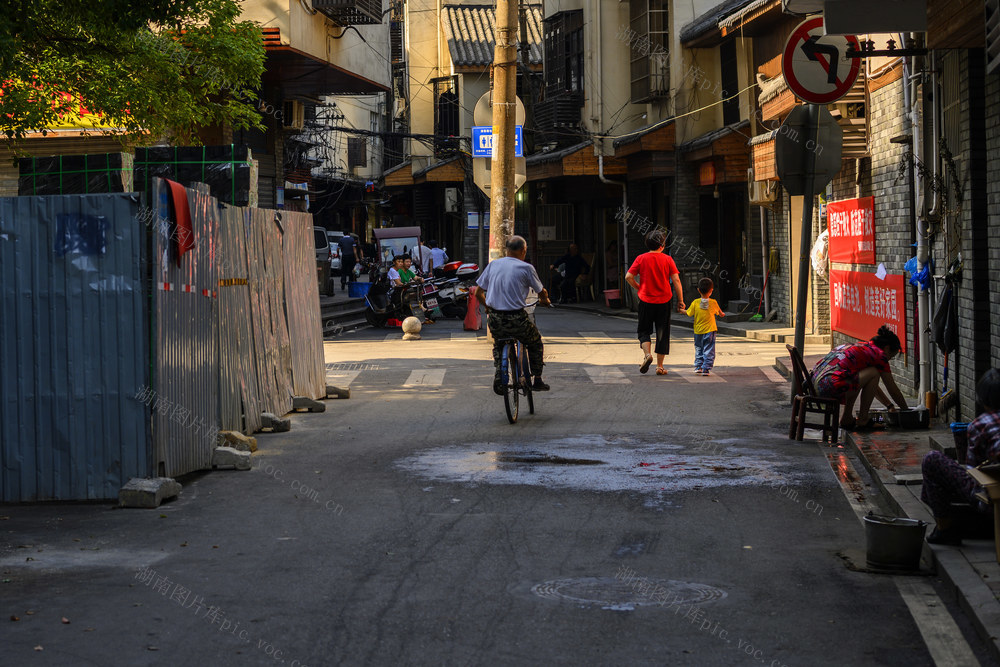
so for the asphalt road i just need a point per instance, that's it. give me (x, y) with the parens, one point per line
(634, 519)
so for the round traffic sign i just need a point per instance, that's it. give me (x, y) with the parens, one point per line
(816, 66)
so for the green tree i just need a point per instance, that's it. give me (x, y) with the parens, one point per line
(149, 68)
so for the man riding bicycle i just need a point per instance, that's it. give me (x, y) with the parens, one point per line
(503, 287)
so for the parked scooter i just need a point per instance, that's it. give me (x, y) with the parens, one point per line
(454, 280)
(385, 302)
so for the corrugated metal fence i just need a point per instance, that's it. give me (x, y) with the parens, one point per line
(186, 383)
(302, 305)
(74, 352)
(85, 404)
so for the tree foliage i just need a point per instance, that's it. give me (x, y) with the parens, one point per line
(149, 68)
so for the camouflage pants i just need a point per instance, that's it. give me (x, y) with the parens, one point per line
(516, 325)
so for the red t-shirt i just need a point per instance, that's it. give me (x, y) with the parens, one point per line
(653, 271)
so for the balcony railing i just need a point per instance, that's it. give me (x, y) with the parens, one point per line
(350, 12)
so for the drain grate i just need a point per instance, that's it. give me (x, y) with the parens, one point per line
(510, 457)
(610, 592)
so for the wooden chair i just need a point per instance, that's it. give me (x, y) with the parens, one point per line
(807, 401)
(991, 496)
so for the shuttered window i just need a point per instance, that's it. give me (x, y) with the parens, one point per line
(357, 152)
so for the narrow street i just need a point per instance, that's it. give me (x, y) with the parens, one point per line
(633, 519)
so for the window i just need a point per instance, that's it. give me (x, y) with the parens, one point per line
(649, 39)
(446, 114)
(730, 83)
(564, 53)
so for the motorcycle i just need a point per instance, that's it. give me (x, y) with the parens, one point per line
(453, 281)
(384, 301)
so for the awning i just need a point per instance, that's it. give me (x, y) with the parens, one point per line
(725, 148)
(448, 171)
(399, 176)
(302, 76)
(656, 137)
(577, 160)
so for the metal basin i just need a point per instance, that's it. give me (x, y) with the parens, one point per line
(894, 543)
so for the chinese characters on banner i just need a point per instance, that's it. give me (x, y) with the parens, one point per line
(852, 230)
(860, 303)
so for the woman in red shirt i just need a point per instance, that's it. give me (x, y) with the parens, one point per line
(852, 371)
(652, 274)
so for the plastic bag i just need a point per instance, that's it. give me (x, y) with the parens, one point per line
(921, 279)
(819, 254)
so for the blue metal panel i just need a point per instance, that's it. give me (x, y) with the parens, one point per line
(74, 354)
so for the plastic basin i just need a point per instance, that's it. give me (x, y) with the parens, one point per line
(358, 290)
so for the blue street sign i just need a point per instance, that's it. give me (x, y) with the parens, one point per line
(482, 141)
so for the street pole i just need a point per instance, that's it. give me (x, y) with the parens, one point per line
(504, 115)
(806, 240)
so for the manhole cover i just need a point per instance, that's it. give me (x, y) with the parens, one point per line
(614, 593)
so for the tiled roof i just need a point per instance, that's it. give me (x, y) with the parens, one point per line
(471, 29)
(709, 21)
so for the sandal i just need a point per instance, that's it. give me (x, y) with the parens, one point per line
(660, 370)
(645, 363)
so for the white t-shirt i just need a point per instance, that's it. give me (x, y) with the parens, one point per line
(393, 275)
(422, 257)
(507, 281)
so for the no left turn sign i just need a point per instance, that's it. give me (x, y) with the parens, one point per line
(816, 66)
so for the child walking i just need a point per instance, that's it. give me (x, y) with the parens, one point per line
(704, 311)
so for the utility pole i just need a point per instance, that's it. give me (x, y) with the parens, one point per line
(504, 115)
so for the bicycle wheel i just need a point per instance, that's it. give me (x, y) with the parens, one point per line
(511, 392)
(522, 358)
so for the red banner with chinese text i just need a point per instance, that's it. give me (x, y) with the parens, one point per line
(860, 303)
(851, 223)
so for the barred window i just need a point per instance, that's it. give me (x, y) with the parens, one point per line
(564, 53)
(649, 40)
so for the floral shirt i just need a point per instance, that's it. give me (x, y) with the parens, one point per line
(984, 438)
(844, 363)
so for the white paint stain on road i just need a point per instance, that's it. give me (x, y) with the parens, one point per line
(606, 375)
(425, 377)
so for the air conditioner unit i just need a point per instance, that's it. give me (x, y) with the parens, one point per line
(762, 193)
(293, 115)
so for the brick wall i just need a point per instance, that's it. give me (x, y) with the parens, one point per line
(894, 233)
(993, 209)
(974, 297)
(780, 286)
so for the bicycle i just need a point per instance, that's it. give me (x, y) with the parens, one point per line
(516, 378)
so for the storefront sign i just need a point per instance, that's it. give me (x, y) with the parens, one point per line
(706, 173)
(860, 303)
(852, 230)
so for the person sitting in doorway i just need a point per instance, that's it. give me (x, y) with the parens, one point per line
(946, 481)
(575, 265)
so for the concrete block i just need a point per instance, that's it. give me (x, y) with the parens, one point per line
(275, 423)
(337, 392)
(237, 441)
(227, 456)
(305, 403)
(147, 493)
